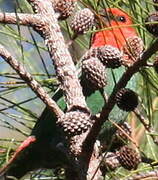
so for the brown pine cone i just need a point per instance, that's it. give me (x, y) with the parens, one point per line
(151, 24)
(155, 65)
(128, 157)
(75, 122)
(126, 99)
(64, 7)
(132, 50)
(82, 21)
(110, 56)
(93, 73)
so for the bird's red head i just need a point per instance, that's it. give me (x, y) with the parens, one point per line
(118, 29)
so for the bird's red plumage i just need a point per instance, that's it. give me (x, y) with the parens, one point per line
(115, 32)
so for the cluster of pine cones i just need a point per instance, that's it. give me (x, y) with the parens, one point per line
(94, 64)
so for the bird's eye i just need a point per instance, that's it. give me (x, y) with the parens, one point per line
(121, 18)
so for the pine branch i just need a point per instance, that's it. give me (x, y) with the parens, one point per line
(59, 53)
(22, 19)
(32, 83)
(121, 84)
(67, 75)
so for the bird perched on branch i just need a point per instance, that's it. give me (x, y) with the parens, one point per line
(38, 150)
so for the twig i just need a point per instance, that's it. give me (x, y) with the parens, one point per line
(150, 174)
(27, 77)
(22, 19)
(142, 119)
(122, 130)
(126, 77)
(146, 125)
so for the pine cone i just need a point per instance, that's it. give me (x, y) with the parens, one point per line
(128, 158)
(132, 50)
(152, 27)
(64, 7)
(127, 99)
(75, 122)
(110, 56)
(155, 4)
(83, 21)
(156, 64)
(93, 72)
(92, 52)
